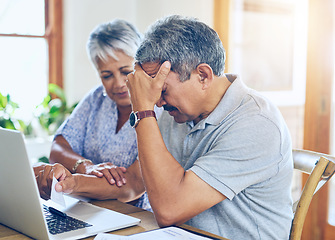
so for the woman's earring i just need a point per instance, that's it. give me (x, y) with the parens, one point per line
(104, 93)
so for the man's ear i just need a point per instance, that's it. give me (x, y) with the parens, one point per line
(206, 75)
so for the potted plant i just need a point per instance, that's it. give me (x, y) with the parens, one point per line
(7, 116)
(50, 114)
(54, 109)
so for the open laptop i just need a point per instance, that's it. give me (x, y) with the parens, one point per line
(22, 208)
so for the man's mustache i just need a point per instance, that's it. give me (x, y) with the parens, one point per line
(169, 108)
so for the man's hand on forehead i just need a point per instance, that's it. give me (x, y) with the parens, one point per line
(150, 68)
(145, 84)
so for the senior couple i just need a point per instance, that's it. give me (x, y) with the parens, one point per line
(217, 158)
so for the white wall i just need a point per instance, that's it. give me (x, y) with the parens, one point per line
(81, 16)
(148, 11)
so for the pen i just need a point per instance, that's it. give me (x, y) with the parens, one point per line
(57, 212)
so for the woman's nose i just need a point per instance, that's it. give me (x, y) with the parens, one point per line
(120, 80)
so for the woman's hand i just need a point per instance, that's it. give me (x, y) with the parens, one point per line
(44, 174)
(113, 174)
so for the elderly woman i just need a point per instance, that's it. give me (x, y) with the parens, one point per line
(95, 139)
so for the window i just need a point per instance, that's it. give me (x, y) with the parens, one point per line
(29, 32)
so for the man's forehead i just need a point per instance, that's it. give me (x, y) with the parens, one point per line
(151, 68)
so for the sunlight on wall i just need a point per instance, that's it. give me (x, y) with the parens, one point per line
(331, 210)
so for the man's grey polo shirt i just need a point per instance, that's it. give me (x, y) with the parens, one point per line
(243, 150)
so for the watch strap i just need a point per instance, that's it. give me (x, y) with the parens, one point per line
(146, 113)
(135, 117)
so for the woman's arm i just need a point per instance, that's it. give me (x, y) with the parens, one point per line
(61, 152)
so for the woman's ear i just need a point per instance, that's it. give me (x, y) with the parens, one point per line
(206, 75)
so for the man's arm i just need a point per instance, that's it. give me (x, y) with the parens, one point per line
(175, 195)
(89, 185)
(99, 188)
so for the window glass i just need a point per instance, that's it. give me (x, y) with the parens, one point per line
(22, 17)
(23, 60)
(23, 75)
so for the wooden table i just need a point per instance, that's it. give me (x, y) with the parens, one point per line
(147, 223)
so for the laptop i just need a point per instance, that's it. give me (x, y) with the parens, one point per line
(22, 208)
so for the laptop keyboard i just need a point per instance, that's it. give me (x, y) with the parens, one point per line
(60, 224)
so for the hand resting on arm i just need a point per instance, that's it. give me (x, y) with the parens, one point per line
(61, 152)
(88, 185)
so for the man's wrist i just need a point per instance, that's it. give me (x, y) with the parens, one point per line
(135, 117)
(140, 106)
(76, 189)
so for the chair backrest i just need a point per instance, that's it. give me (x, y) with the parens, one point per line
(321, 168)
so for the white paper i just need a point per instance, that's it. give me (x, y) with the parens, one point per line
(106, 236)
(56, 197)
(169, 233)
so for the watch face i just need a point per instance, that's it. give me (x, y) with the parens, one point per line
(135, 117)
(132, 119)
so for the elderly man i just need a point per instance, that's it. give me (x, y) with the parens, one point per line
(219, 158)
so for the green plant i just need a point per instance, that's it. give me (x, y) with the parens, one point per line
(53, 110)
(7, 116)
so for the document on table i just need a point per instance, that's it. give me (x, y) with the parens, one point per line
(169, 233)
(57, 197)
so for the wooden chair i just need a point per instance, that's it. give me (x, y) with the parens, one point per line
(321, 168)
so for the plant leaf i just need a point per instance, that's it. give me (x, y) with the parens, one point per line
(58, 91)
(3, 101)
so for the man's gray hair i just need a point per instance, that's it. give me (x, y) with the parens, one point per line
(185, 42)
(117, 35)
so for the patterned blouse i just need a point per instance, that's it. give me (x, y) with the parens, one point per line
(91, 132)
